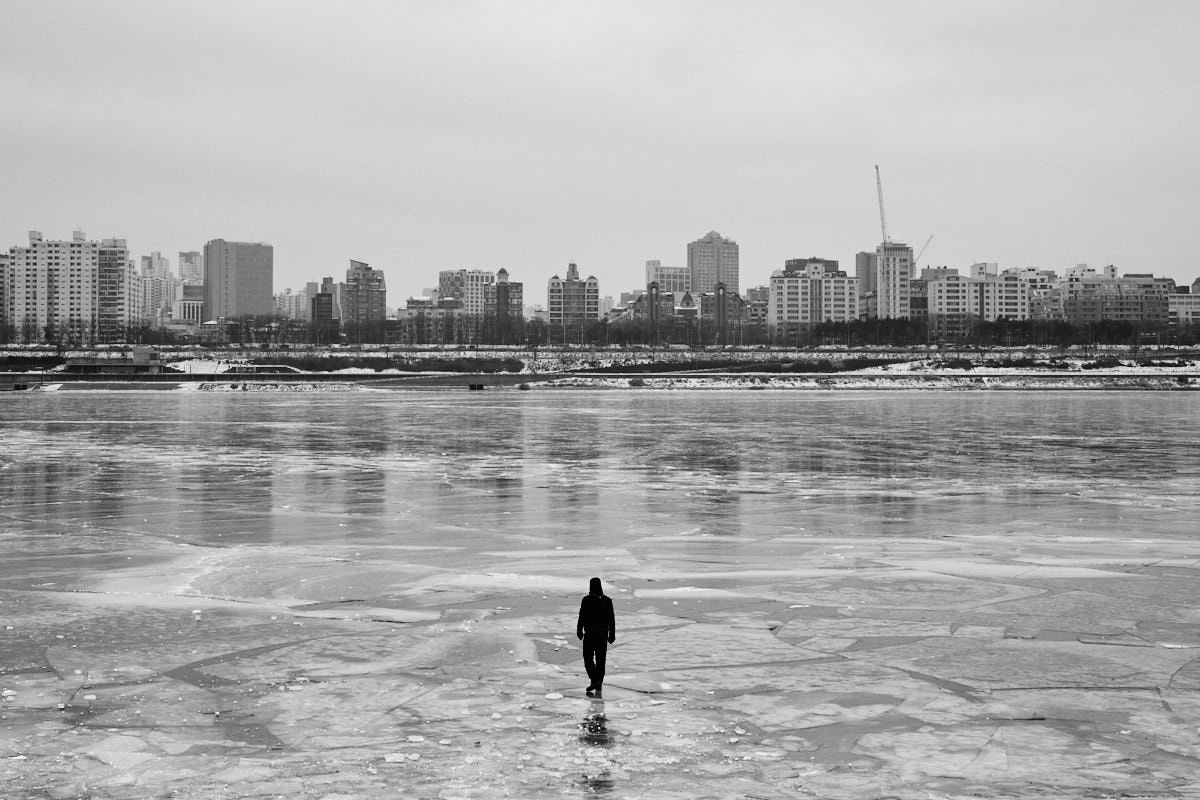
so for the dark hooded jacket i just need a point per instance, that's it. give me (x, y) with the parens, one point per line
(596, 619)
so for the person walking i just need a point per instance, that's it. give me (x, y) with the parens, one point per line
(597, 628)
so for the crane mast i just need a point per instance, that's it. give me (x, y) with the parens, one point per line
(882, 218)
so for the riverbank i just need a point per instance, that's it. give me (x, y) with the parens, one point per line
(754, 369)
(651, 382)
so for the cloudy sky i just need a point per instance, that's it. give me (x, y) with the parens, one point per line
(420, 136)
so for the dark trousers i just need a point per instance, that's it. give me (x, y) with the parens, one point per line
(594, 653)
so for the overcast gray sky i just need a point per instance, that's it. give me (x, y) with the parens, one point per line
(437, 135)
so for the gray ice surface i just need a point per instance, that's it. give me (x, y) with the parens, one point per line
(885, 595)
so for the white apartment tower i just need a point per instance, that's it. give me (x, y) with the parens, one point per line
(883, 281)
(807, 292)
(76, 291)
(712, 260)
(956, 302)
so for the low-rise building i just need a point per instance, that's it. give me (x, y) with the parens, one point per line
(722, 317)
(1084, 297)
(1183, 312)
(426, 320)
(676, 280)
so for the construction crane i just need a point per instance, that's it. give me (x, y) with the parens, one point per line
(882, 218)
(918, 258)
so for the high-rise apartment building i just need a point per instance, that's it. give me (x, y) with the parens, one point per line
(76, 291)
(468, 286)
(294, 305)
(191, 267)
(364, 302)
(6, 332)
(504, 315)
(676, 280)
(238, 279)
(159, 289)
(119, 292)
(157, 266)
(806, 292)
(955, 303)
(883, 281)
(712, 260)
(571, 303)
(54, 288)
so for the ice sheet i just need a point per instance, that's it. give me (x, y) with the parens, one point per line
(879, 595)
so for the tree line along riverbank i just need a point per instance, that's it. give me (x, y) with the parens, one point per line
(483, 360)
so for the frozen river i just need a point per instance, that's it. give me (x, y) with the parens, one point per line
(372, 594)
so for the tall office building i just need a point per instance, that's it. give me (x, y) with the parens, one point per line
(238, 280)
(712, 260)
(191, 267)
(883, 281)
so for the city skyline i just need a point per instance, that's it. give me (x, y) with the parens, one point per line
(530, 136)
